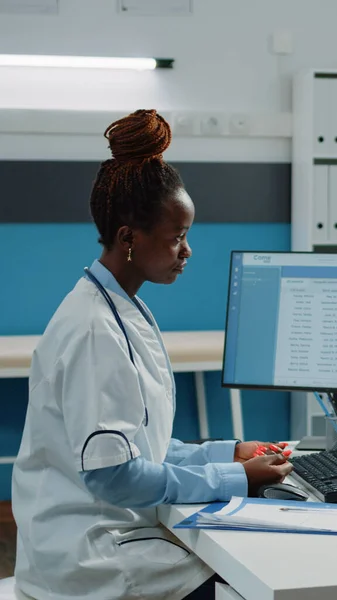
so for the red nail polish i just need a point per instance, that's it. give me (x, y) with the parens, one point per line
(287, 452)
(274, 448)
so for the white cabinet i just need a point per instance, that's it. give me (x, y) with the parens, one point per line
(320, 204)
(332, 204)
(314, 195)
(324, 97)
(321, 117)
(332, 115)
(314, 179)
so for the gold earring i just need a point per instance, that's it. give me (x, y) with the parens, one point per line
(129, 259)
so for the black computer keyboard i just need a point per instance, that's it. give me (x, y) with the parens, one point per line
(318, 472)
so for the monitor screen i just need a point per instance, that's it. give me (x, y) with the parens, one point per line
(281, 329)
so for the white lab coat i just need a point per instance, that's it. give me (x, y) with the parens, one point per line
(87, 411)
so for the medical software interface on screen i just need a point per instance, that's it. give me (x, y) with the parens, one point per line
(282, 321)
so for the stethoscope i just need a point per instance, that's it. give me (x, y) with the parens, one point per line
(112, 307)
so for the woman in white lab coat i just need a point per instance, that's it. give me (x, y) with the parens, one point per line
(96, 456)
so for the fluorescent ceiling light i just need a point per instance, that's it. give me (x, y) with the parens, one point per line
(84, 62)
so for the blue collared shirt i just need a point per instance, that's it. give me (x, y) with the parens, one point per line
(190, 472)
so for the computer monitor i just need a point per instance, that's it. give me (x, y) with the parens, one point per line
(281, 329)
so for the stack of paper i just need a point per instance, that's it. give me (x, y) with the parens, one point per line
(260, 514)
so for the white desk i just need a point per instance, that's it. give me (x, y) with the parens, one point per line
(189, 352)
(262, 566)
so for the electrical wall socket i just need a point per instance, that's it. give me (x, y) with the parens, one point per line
(226, 124)
(212, 124)
(239, 124)
(185, 124)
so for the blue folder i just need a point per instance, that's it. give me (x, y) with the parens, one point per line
(191, 521)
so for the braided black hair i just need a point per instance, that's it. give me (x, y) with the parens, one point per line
(131, 188)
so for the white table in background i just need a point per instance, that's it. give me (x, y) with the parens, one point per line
(190, 352)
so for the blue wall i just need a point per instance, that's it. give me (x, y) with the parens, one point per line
(39, 264)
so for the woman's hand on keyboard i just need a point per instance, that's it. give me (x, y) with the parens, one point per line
(261, 470)
(246, 450)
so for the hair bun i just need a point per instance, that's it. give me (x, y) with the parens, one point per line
(141, 136)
